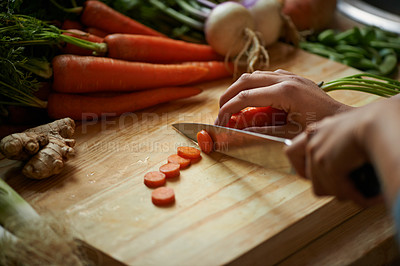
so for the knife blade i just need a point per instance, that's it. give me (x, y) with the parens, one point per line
(263, 150)
(268, 151)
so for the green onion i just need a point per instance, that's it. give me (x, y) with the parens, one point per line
(29, 239)
(365, 82)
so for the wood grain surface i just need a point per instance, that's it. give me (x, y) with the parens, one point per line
(226, 210)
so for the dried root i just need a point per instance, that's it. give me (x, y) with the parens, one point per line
(45, 148)
(254, 53)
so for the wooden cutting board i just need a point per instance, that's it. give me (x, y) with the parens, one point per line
(226, 210)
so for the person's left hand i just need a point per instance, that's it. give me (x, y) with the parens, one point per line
(329, 150)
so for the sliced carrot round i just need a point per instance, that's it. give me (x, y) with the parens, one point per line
(205, 141)
(188, 152)
(163, 196)
(170, 169)
(154, 179)
(175, 158)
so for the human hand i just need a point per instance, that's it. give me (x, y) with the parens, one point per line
(301, 98)
(328, 151)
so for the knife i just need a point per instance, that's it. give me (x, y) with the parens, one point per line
(268, 151)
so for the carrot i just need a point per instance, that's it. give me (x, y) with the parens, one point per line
(99, 15)
(175, 158)
(193, 161)
(205, 141)
(79, 106)
(69, 48)
(163, 196)
(216, 70)
(257, 117)
(71, 24)
(79, 74)
(96, 32)
(188, 152)
(170, 169)
(154, 179)
(157, 50)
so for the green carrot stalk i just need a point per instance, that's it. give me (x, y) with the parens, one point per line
(22, 30)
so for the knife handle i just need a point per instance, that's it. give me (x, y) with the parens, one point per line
(366, 181)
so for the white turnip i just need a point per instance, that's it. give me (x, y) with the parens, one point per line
(229, 29)
(267, 17)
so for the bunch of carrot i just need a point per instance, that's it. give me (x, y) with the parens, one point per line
(140, 68)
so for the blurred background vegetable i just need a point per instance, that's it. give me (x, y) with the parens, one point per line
(369, 49)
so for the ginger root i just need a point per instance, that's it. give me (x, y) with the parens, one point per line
(45, 148)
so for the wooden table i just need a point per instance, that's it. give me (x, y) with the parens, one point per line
(226, 212)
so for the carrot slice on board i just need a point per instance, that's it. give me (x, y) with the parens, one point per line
(154, 179)
(188, 152)
(163, 196)
(170, 169)
(175, 158)
(205, 141)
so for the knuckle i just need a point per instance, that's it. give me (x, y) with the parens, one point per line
(244, 77)
(258, 72)
(243, 95)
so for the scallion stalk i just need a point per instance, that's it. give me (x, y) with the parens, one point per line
(365, 82)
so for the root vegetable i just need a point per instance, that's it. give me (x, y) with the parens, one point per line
(310, 14)
(188, 152)
(257, 117)
(76, 105)
(163, 196)
(170, 170)
(45, 148)
(99, 15)
(229, 29)
(70, 48)
(267, 18)
(80, 74)
(156, 50)
(175, 158)
(216, 70)
(154, 179)
(205, 141)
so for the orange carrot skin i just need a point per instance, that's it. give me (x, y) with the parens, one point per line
(157, 50)
(82, 74)
(257, 117)
(81, 107)
(69, 48)
(99, 15)
(97, 32)
(216, 70)
(71, 24)
(163, 196)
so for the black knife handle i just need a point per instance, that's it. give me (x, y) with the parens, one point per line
(366, 181)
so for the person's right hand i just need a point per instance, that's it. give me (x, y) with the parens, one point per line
(301, 98)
